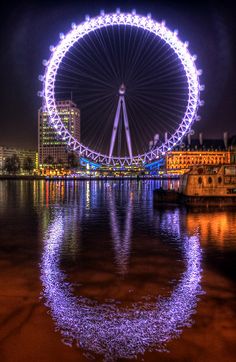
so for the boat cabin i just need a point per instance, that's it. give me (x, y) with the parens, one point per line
(212, 180)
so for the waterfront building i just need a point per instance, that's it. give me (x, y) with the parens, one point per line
(51, 149)
(22, 154)
(181, 161)
(198, 152)
(233, 150)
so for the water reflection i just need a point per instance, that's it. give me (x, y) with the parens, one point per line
(110, 329)
(87, 259)
(215, 227)
(121, 238)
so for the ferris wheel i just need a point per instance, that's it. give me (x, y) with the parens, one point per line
(150, 57)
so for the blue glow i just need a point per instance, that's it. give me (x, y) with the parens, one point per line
(155, 165)
(85, 161)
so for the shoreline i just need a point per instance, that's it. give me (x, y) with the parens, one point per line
(85, 178)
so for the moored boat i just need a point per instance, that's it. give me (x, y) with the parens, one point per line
(202, 186)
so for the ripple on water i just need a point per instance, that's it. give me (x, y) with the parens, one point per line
(106, 328)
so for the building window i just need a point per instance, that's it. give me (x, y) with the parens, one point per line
(209, 180)
(200, 180)
(231, 191)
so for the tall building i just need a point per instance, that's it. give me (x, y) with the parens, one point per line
(6, 152)
(50, 148)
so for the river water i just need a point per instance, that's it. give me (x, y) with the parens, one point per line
(90, 270)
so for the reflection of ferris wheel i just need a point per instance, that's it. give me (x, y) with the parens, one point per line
(178, 54)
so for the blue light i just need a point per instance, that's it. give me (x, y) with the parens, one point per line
(155, 165)
(93, 165)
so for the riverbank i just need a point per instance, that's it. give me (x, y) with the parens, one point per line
(85, 178)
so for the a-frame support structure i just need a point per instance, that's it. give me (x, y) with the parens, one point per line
(121, 107)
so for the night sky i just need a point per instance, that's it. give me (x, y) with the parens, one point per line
(29, 28)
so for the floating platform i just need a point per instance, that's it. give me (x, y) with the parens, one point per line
(202, 186)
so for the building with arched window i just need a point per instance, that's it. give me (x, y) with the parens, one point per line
(201, 152)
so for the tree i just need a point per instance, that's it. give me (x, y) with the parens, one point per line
(8, 165)
(72, 160)
(12, 164)
(49, 160)
(28, 164)
(60, 162)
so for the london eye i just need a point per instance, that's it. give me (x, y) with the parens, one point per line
(135, 81)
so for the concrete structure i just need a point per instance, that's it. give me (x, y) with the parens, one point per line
(49, 143)
(6, 152)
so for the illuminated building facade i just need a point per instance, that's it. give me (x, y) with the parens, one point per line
(233, 150)
(198, 152)
(182, 161)
(51, 149)
(6, 152)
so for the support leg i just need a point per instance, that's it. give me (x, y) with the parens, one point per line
(115, 126)
(127, 132)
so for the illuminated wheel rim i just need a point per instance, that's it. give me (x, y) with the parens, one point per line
(130, 19)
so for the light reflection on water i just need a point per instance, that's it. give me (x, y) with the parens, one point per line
(124, 210)
(124, 259)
